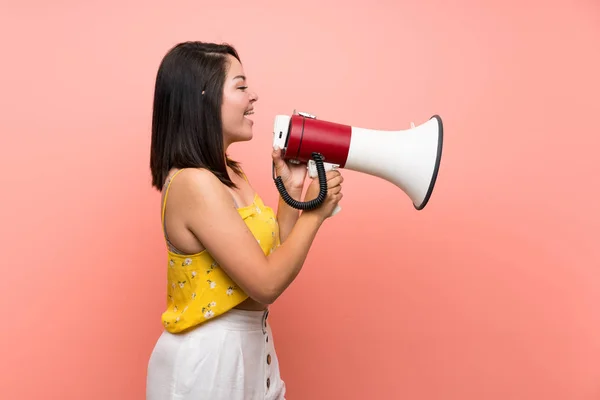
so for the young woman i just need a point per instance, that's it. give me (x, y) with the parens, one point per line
(229, 255)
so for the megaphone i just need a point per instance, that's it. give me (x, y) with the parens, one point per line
(409, 159)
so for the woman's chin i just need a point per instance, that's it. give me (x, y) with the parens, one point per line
(245, 137)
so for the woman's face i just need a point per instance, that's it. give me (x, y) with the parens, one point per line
(237, 107)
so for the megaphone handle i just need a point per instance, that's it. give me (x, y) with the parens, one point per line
(336, 210)
(312, 172)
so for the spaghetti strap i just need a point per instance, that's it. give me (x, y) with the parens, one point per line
(164, 202)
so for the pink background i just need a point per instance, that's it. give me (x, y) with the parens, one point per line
(492, 292)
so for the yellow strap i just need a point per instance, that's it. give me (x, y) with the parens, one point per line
(244, 176)
(164, 205)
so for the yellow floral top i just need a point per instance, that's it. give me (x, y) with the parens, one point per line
(197, 288)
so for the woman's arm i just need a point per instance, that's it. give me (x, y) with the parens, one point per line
(286, 215)
(218, 226)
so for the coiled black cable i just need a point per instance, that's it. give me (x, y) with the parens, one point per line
(311, 204)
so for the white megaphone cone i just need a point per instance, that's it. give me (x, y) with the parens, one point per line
(409, 159)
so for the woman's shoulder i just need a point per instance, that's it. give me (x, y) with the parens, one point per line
(198, 184)
(192, 177)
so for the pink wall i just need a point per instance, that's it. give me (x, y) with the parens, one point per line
(492, 292)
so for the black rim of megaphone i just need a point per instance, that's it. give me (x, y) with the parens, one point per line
(437, 163)
(310, 204)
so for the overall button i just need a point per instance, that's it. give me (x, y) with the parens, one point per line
(268, 383)
(269, 359)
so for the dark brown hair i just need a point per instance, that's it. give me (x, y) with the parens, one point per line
(187, 130)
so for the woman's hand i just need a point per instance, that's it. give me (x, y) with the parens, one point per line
(292, 175)
(334, 194)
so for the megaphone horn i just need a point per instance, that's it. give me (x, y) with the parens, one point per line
(410, 159)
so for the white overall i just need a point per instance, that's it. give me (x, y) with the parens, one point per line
(229, 358)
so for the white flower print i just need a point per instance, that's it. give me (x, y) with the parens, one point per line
(181, 284)
(175, 308)
(229, 291)
(193, 274)
(193, 295)
(171, 263)
(211, 284)
(208, 313)
(187, 261)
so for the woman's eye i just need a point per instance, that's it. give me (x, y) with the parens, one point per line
(243, 87)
